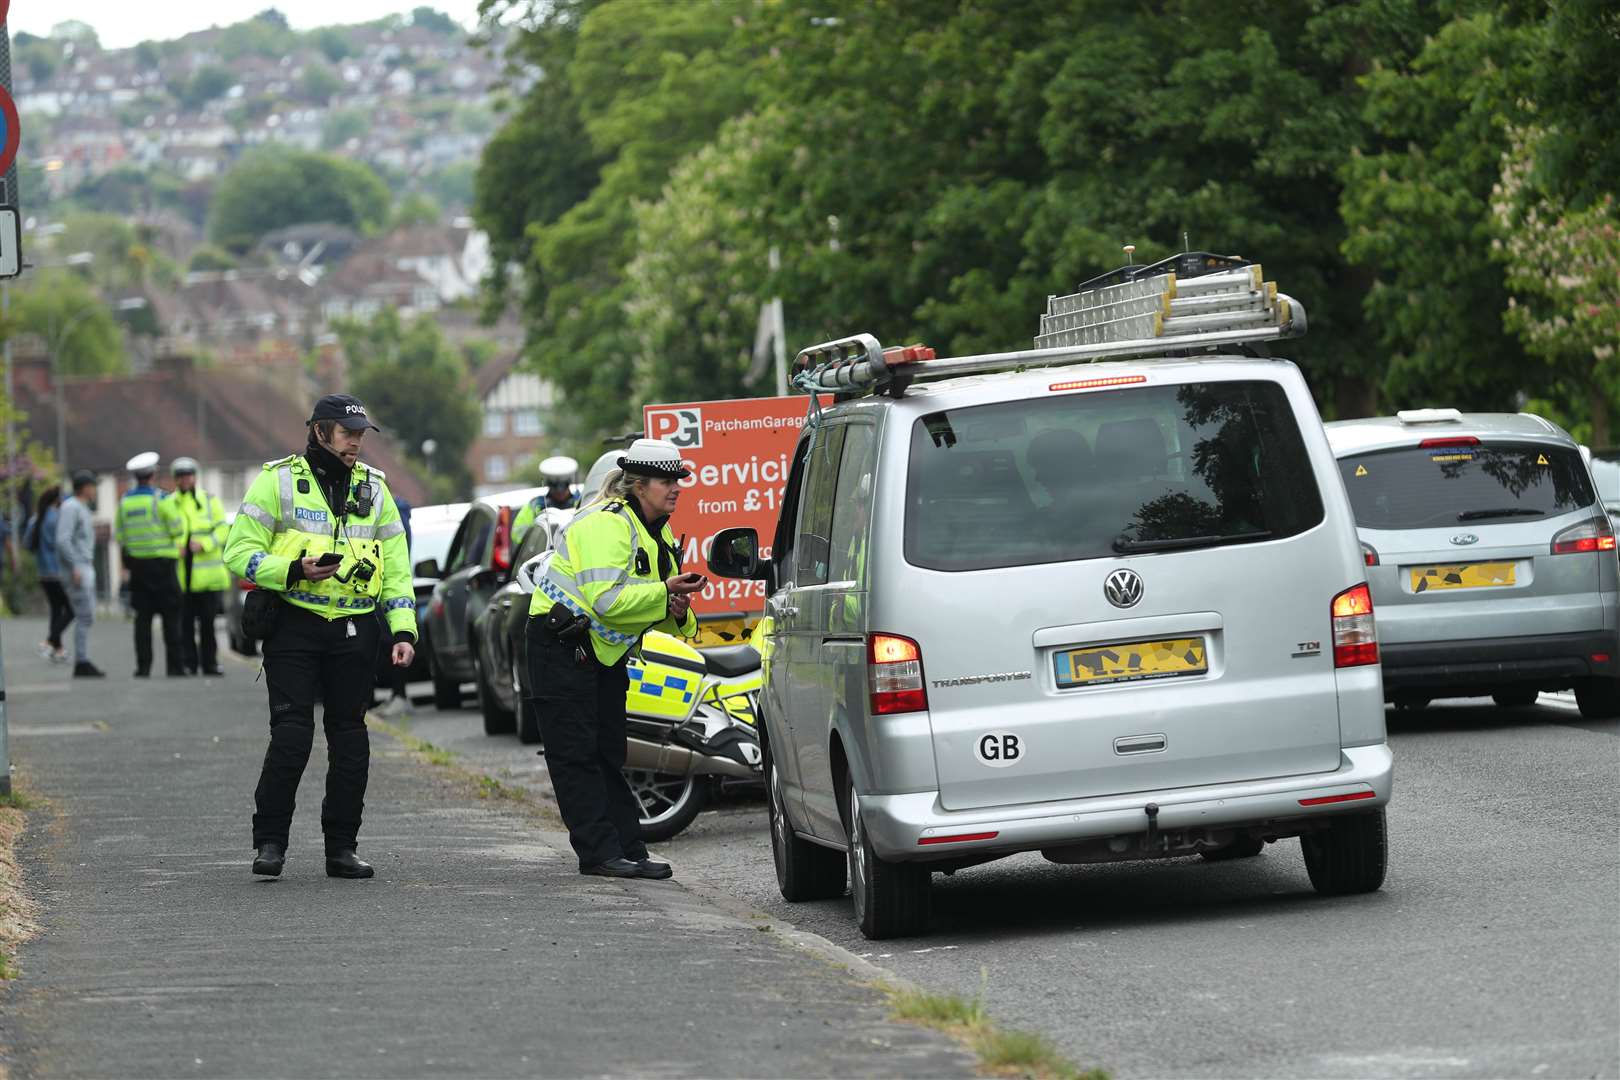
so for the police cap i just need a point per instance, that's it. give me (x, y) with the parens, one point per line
(345, 410)
(143, 464)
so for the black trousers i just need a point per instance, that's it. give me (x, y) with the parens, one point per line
(154, 590)
(310, 659)
(199, 648)
(581, 710)
(61, 611)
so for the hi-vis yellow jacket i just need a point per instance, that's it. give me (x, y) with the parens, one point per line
(147, 526)
(284, 517)
(606, 567)
(202, 519)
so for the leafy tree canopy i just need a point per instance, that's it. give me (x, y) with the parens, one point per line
(274, 187)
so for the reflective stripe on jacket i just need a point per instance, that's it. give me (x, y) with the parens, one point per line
(146, 528)
(202, 519)
(596, 572)
(284, 517)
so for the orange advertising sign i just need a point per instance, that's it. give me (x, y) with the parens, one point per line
(739, 453)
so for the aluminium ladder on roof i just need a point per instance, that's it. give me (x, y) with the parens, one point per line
(1148, 312)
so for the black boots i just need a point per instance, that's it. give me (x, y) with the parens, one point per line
(269, 860)
(346, 864)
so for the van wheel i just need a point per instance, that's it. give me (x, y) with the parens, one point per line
(1515, 699)
(1599, 698)
(1244, 847)
(1349, 856)
(804, 871)
(891, 899)
(497, 721)
(669, 803)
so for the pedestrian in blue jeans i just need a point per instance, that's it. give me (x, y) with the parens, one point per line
(41, 540)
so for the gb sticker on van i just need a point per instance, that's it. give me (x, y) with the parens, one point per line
(999, 749)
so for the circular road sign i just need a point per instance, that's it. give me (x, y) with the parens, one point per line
(12, 133)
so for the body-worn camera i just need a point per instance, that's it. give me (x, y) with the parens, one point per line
(361, 572)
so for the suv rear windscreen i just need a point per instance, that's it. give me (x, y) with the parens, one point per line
(1434, 487)
(1084, 476)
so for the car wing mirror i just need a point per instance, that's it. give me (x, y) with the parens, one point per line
(427, 568)
(735, 554)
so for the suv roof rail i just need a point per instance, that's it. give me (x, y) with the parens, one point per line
(1429, 416)
(1190, 302)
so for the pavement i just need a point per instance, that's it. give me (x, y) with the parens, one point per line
(477, 950)
(1492, 950)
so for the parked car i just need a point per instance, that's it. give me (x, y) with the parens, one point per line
(1114, 611)
(1606, 476)
(1491, 561)
(476, 563)
(498, 635)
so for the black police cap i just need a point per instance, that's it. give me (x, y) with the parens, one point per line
(345, 410)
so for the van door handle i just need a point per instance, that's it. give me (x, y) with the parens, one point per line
(1140, 744)
(781, 608)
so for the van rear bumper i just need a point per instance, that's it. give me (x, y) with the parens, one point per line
(901, 827)
(1486, 663)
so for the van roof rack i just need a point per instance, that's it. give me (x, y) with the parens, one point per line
(1188, 303)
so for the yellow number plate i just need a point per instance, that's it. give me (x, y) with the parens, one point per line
(1479, 575)
(1131, 661)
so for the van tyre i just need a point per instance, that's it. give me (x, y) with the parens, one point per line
(1598, 698)
(497, 721)
(1349, 856)
(446, 692)
(1244, 847)
(891, 899)
(804, 871)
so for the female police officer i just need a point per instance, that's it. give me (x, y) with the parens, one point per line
(614, 576)
(320, 536)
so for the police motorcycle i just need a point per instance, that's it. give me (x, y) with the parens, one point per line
(692, 719)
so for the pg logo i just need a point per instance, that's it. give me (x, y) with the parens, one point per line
(999, 749)
(683, 427)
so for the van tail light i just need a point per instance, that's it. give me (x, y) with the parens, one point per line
(1594, 535)
(1449, 440)
(1369, 555)
(501, 556)
(1355, 636)
(894, 673)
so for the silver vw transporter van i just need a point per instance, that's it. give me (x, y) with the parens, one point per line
(1105, 612)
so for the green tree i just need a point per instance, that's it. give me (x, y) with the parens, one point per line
(319, 83)
(418, 388)
(266, 34)
(436, 21)
(73, 322)
(416, 209)
(341, 125)
(274, 187)
(205, 85)
(332, 42)
(207, 258)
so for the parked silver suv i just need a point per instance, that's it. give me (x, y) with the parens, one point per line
(1491, 560)
(1104, 612)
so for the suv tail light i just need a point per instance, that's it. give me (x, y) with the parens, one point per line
(1594, 535)
(1369, 555)
(894, 673)
(1355, 636)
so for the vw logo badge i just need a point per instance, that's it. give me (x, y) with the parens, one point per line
(1465, 538)
(1123, 588)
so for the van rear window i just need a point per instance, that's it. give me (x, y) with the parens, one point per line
(1438, 486)
(1086, 476)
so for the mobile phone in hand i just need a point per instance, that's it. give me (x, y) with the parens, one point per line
(331, 558)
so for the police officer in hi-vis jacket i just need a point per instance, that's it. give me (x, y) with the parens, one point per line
(321, 539)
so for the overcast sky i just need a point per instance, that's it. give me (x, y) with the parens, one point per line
(121, 23)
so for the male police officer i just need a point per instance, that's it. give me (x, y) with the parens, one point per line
(148, 532)
(201, 568)
(320, 537)
(558, 473)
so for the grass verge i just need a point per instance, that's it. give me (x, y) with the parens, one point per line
(481, 785)
(17, 911)
(1000, 1052)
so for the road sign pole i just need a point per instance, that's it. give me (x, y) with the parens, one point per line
(9, 196)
